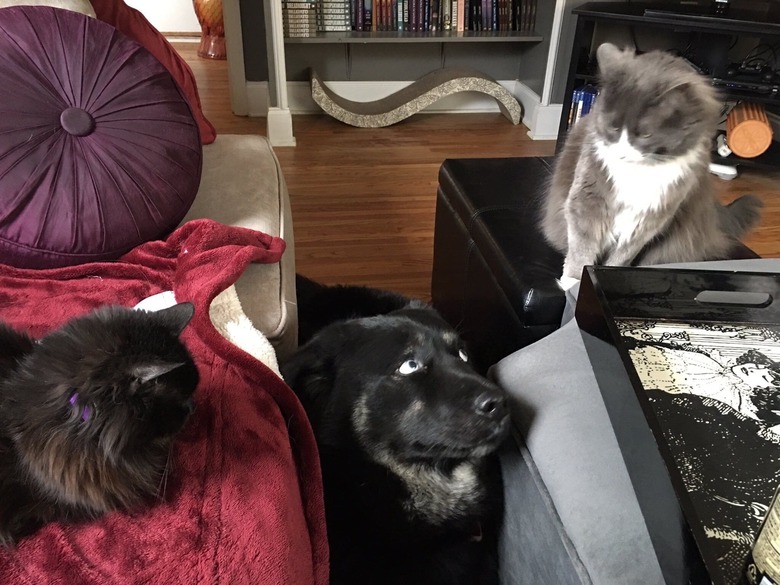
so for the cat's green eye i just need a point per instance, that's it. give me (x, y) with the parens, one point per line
(647, 135)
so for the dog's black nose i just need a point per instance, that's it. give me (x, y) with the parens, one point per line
(491, 405)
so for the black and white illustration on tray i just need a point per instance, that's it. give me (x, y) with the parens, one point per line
(715, 391)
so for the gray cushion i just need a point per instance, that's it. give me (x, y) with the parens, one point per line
(563, 426)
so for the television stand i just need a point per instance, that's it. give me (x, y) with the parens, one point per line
(713, 36)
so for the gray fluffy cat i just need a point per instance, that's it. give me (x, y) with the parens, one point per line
(632, 184)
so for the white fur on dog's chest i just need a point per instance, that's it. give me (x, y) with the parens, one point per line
(438, 497)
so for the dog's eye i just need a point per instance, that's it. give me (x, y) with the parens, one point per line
(409, 367)
(462, 355)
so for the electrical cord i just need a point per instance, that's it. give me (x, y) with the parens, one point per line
(755, 60)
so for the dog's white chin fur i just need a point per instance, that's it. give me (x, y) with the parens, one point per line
(433, 494)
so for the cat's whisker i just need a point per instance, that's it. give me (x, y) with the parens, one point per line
(163, 487)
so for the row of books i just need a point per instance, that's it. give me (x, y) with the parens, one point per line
(582, 101)
(307, 17)
(300, 18)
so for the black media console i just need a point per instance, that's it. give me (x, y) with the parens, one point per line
(715, 44)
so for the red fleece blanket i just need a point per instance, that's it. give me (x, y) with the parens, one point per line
(244, 503)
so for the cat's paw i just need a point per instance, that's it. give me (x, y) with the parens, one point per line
(567, 282)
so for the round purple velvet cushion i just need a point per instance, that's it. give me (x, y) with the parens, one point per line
(99, 151)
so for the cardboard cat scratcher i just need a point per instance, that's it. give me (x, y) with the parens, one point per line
(413, 98)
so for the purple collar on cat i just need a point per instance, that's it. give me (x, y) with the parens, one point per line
(86, 411)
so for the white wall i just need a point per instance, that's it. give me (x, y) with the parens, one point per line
(168, 16)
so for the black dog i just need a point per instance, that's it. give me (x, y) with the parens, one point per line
(407, 432)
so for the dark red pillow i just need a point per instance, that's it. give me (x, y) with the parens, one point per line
(99, 151)
(134, 24)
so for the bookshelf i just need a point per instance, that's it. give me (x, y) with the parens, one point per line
(364, 66)
(417, 37)
(409, 18)
(392, 56)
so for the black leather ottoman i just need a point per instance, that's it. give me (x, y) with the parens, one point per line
(494, 275)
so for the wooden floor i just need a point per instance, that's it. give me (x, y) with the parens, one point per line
(363, 200)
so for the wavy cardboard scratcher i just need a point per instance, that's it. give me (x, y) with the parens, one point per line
(413, 98)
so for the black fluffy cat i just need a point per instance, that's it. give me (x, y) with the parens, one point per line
(88, 415)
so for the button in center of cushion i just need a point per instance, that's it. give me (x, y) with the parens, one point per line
(77, 122)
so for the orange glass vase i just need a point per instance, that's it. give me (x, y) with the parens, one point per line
(212, 39)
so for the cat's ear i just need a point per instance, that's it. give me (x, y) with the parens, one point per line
(609, 57)
(177, 317)
(148, 372)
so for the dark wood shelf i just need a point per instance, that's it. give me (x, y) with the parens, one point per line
(417, 37)
(587, 77)
(726, 94)
(748, 96)
(754, 20)
(683, 16)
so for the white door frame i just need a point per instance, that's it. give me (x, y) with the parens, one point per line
(279, 118)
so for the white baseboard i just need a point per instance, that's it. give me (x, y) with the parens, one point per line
(280, 130)
(542, 121)
(258, 98)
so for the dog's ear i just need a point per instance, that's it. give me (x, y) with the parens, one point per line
(311, 371)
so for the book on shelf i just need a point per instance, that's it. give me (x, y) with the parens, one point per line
(487, 15)
(357, 15)
(446, 14)
(368, 15)
(305, 30)
(435, 7)
(299, 18)
(528, 22)
(582, 101)
(298, 7)
(475, 15)
(379, 11)
(334, 15)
